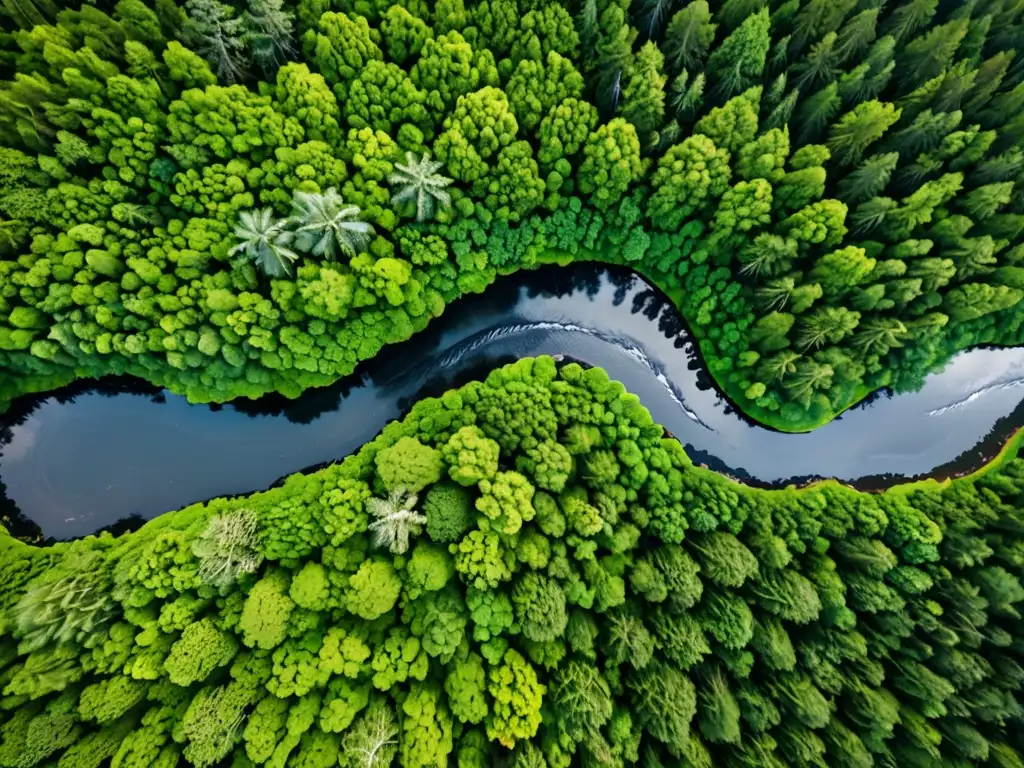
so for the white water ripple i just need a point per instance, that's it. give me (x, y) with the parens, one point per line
(454, 355)
(966, 400)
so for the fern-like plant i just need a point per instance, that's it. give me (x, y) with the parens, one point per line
(71, 604)
(419, 181)
(265, 241)
(395, 520)
(228, 548)
(373, 741)
(324, 225)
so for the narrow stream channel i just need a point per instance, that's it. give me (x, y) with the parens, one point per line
(80, 459)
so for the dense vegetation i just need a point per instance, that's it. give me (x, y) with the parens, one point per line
(526, 572)
(230, 199)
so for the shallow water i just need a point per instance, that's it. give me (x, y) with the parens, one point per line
(81, 459)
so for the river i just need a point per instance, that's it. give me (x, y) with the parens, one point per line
(80, 459)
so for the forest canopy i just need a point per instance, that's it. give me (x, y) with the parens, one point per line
(523, 572)
(236, 198)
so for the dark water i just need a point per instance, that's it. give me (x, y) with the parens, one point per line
(80, 459)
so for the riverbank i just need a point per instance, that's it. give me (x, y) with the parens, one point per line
(86, 458)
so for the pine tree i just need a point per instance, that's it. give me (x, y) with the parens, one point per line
(686, 97)
(30, 13)
(974, 43)
(820, 66)
(859, 128)
(734, 12)
(923, 134)
(643, 98)
(216, 35)
(689, 36)
(269, 34)
(783, 113)
(957, 83)
(738, 62)
(816, 112)
(990, 76)
(909, 17)
(869, 179)
(653, 15)
(856, 35)
(818, 18)
(928, 55)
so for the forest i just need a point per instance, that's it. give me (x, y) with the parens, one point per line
(230, 198)
(527, 572)
(234, 199)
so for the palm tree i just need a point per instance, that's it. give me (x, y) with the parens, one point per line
(419, 180)
(775, 295)
(808, 377)
(133, 214)
(395, 520)
(768, 254)
(265, 241)
(325, 225)
(777, 366)
(878, 336)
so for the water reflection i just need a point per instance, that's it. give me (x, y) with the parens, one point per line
(86, 457)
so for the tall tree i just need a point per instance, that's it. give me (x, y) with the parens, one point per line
(689, 36)
(265, 240)
(859, 128)
(325, 226)
(269, 34)
(643, 98)
(419, 181)
(926, 56)
(738, 62)
(908, 17)
(216, 34)
(30, 13)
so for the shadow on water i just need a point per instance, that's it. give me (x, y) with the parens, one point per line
(113, 453)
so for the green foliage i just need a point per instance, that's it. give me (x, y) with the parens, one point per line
(828, 189)
(449, 512)
(732, 626)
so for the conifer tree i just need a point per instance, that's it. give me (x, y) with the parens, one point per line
(689, 36)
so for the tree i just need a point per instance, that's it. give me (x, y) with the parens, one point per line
(419, 180)
(926, 56)
(395, 519)
(372, 741)
(611, 163)
(536, 87)
(856, 35)
(228, 548)
(265, 240)
(768, 255)
(325, 226)
(643, 98)
(688, 178)
(737, 63)
(826, 325)
(983, 202)
(719, 718)
(869, 179)
(689, 36)
(215, 32)
(817, 19)
(819, 66)
(269, 34)
(816, 111)
(909, 17)
(808, 377)
(859, 128)
(30, 13)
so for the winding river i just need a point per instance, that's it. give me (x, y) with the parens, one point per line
(78, 460)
